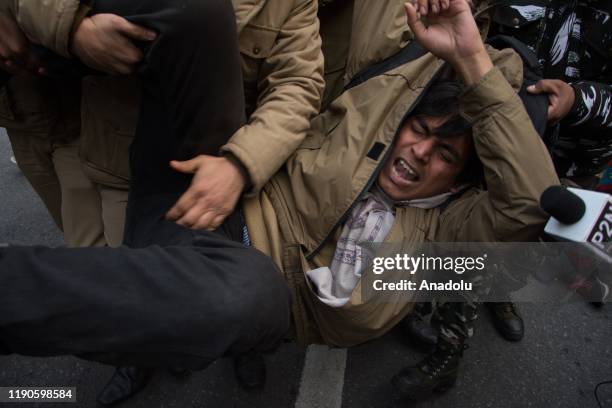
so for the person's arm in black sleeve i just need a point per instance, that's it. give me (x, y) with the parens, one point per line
(592, 106)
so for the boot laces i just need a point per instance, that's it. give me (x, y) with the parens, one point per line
(440, 359)
(508, 310)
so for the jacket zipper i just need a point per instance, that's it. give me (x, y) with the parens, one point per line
(374, 174)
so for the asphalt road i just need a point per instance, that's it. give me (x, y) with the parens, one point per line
(566, 352)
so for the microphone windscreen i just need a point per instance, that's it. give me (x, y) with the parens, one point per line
(563, 205)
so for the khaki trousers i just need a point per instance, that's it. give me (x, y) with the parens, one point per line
(42, 119)
(89, 214)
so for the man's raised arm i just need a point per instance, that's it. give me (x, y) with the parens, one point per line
(517, 166)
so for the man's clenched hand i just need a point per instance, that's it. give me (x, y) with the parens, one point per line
(451, 34)
(215, 189)
(561, 97)
(105, 42)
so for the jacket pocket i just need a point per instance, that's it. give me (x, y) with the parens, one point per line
(27, 104)
(109, 117)
(257, 41)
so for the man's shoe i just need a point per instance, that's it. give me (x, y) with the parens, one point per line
(507, 320)
(250, 369)
(417, 329)
(436, 373)
(125, 382)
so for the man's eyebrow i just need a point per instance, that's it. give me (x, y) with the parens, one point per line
(423, 125)
(448, 147)
(451, 149)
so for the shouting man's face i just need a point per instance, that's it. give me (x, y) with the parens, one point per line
(422, 165)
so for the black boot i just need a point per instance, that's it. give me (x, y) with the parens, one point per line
(435, 373)
(125, 382)
(250, 369)
(507, 320)
(418, 330)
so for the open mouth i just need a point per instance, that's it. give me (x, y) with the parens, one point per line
(405, 171)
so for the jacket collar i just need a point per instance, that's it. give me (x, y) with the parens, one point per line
(424, 203)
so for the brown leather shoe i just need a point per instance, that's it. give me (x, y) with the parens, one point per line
(507, 320)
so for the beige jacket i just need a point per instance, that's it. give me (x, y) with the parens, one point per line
(297, 216)
(282, 68)
(360, 33)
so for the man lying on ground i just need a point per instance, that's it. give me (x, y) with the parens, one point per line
(184, 298)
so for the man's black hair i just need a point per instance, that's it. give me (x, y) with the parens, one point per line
(442, 100)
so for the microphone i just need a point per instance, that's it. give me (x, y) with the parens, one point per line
(562, 204)
(578, 215)
(584, 217)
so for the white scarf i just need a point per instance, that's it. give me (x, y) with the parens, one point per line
(370, 221)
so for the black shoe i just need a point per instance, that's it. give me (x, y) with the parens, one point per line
(125, 382)
(507, 320)
(250, 369)
(417, 329)
(436, 373)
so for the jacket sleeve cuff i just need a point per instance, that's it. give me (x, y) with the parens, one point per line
(489, 92)
(62, 36)
(81, 13)
(573, 115)
(54, 31)
(248, 185)
(256, 176)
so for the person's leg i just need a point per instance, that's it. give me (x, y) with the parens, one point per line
(417, 328)
(35, 117)
(33, 155)
(192, 100)
(81, 201)
(438, 371)
(192, 84)
(114, 203)
(175, 305)
(456, 321)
